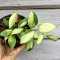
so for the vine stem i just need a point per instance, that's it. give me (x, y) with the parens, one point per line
(44, 38)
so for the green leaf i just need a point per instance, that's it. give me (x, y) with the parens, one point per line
(17, 31)
(5, 22)
(32, 20)
(36, 34)
(12, 41)
(52, 37)
(5, 32)
(13, 19)
(21, 34)
(27, 36)
(40, 39)
(5, 38)
(46, 27)
(23, 22)
(29, 45)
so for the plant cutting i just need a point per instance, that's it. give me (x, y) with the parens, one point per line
(16, 30)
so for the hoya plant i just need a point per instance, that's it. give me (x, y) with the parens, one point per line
(26, 36)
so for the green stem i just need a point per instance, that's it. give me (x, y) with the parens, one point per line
(44, 38)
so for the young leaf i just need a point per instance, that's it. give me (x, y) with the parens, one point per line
(40, 39)
(28, 35)
(23, 22)
(32, 20)
(12, 41)
(46, 27)
(13, 19)
(5, 22)
(36, 34)
(52, 37)
(17, 31)
(29, 45)
(5, 32)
